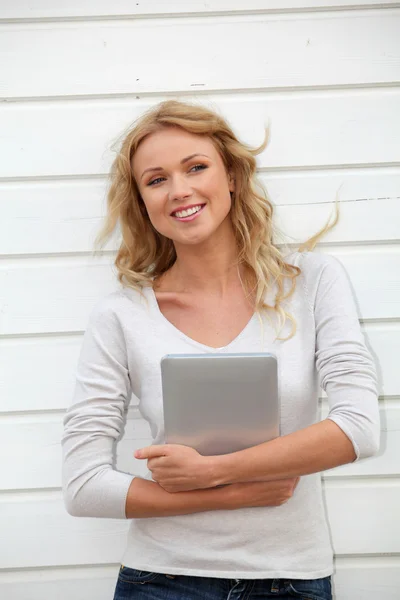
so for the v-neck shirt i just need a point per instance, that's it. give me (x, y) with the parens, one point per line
(126, 337)
(173, 330)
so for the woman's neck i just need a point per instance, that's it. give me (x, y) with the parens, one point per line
(212, 268)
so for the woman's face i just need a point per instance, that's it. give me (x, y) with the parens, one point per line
(183, 184)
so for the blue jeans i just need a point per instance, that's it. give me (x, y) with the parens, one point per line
(144, 585)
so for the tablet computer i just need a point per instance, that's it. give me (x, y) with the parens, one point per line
(220, 403)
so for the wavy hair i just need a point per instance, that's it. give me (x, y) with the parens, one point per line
(144, 254)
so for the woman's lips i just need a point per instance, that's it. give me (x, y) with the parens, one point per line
(190, 217)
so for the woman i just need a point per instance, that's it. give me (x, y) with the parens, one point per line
(200, 273)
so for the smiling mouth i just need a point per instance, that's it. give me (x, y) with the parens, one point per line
(183, 215)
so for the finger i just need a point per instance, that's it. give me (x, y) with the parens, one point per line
(153, 463)
(150, 452)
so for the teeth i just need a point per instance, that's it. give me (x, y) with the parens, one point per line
(188, 212)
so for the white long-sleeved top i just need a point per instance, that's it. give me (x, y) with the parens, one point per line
(125, 339)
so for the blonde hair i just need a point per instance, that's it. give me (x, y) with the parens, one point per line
(144, 254)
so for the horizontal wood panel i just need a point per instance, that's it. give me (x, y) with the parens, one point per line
(52, 537)
(323, 186)
(94, 583)
(30, 452)
(24, 9)
(359, 578)
(367, 578)
(99, 57)
(44, 368)
(360, 516)
(367, 221)
(374, 277)
(51, 217)
(307, 129)
(62, 291)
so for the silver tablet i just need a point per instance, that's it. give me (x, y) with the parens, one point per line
(220, 403)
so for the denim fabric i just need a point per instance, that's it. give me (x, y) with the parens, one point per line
(144, 585)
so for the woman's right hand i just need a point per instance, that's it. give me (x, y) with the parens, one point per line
(261, 493)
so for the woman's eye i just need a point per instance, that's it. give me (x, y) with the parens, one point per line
(153, 181)
(197, 167)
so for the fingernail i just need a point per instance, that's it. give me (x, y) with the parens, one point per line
(137, 454)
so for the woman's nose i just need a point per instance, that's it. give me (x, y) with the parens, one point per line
(179, 188)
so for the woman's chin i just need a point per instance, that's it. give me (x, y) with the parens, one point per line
(202, 234)
(197, 240)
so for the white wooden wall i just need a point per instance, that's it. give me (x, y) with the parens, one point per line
(74, 75)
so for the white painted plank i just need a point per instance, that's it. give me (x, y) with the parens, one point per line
(361, 578)
(30, 451)
(65, 217)
(30, 455)
(360, 221)
(49, 217)
(307, 129)
(51, 537)
(360, 515)
(25, 9)
(62, 291)
(375, 284)
(83, 583)
(73, 58)
(44, 368)
(322, 186)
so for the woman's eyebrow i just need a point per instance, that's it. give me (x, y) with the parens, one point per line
(182, 162)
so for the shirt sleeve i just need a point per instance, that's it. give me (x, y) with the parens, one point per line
(92, 487)
(345, 366)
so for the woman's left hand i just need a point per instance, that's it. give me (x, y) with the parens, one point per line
(177, 468)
